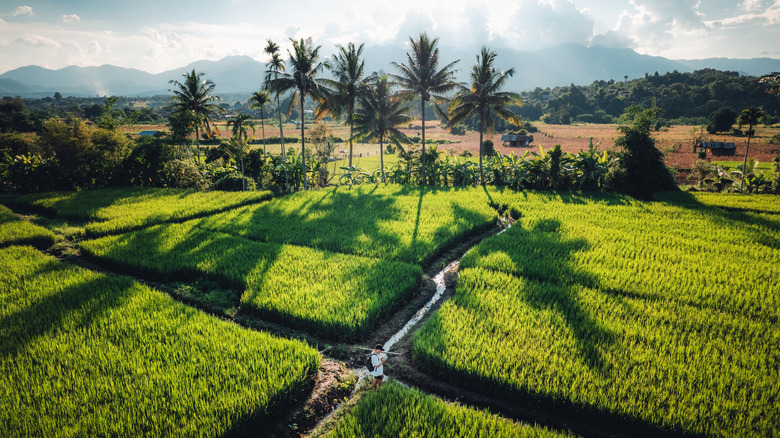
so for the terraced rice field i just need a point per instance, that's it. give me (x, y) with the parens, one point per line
(660, 313)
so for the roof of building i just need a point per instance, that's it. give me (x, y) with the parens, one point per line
(717, 145)
(514, 137)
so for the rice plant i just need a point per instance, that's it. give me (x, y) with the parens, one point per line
(663, 313)
(116, 210)
(334, 295)
(14, 231)
(396, 411)
(89, 354)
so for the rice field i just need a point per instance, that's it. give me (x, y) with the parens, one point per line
(90, 354)
(397, 411)
(110, 211)
(339, 296)
(15, 231)
(409, 224)
(660, 313)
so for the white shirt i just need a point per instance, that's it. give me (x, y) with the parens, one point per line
(379, 368)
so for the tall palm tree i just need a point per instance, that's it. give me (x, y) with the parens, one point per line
(379, 113)
(305, 64)
(422, 77)
(347, 68)
(239, 126)
(258, 99)
(484, 98)
(275, 67)
(194, 97)
(748, 116)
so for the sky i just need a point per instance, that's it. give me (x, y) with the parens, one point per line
(162, 35)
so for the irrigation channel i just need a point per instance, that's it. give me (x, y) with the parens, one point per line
(441, 288)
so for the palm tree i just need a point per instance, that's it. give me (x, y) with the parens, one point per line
(239, 127)
(422, 77)
(275, 67)
(304, 60)
(379, 113)
(484, 98)
(258, 99)
(193, 97)
(347, 68)
(748, 116)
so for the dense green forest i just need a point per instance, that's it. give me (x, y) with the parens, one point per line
(685, 98)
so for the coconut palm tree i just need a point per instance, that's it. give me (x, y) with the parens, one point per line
(239, 125)
(258, 99)
(748, 116)
(305, 64)
(275, 67)
(484, 98)
(379, 113)
(347, 68)
(194, 97)
(422, 77)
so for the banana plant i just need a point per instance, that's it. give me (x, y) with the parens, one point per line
(352, 175)
(591, 168)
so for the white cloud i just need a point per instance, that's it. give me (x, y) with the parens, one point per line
(37, 40)
(757, 13)
(70, 18)
(654, 26)
(545, 23)
(22, 10)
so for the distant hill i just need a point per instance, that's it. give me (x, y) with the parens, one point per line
(561, 65)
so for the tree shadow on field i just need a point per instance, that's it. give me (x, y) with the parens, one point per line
(199, 254)
(77, 304)
(755, 226)
(543, 255)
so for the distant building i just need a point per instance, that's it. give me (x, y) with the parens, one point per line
(156, 134)
(719, 147)
(515, 140)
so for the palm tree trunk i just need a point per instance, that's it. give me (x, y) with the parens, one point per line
(303, 147)
(262, 127)
(281, 142)
(351, 123)
(422, 104)
(481, 129)
(197, 141)
(243, 178)
(744, 163)
(382, 158)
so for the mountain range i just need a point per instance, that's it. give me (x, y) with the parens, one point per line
(561, 65)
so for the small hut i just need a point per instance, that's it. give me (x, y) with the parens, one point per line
(719, 147)
(515, 140)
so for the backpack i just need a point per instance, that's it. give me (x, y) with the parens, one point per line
(369, 364)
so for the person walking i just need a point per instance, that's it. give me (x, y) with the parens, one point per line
(379, 366)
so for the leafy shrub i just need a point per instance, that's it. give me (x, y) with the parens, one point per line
(232, 183)
(181, 174)
(487, 148)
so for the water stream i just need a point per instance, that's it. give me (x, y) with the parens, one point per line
(441, 287)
